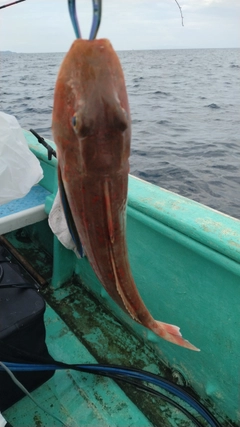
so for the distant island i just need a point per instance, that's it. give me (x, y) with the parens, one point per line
(8, 52)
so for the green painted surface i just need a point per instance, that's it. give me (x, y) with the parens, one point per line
(89, 332)
(207, 226)
(188, 276)
(185, 260)
(180, 286)
(75, 398)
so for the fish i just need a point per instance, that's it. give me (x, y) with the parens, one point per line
(91, 126)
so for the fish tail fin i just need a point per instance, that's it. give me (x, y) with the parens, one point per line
(172, 334)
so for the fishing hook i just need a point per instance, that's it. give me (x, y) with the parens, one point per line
(97, 12)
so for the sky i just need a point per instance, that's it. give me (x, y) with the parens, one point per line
(45, 26)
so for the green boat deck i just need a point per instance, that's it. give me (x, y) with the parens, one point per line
(81, 330)
(185, 259)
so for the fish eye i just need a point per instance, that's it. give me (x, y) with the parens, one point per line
(81, 126)
(75, 122)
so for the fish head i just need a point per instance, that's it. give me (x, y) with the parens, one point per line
(91, 118)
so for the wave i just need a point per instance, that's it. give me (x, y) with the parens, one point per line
(163, 122)
(181, 140)
(159, 92)
(213, 105)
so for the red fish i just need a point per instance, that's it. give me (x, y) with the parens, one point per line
(92, 130)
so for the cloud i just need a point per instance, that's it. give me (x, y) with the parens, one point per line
(44, 25)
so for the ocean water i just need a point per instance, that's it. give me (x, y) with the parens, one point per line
(185, 108)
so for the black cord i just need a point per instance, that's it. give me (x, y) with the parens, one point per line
(34, 286)
(41, 140)
(24, 357)
(1, 272)
(162, 396)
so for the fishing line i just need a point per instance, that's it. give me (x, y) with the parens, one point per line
(11, 4)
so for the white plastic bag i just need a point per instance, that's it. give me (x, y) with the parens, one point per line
(59, 227)
(19, 168)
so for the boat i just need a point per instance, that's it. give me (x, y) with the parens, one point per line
(185, 258)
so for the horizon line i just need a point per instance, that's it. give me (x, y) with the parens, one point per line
(128, 50)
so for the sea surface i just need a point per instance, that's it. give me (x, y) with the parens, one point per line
(185, 107)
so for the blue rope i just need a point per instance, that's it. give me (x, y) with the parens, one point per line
(97, 13)
(118, 371)
(73, 16)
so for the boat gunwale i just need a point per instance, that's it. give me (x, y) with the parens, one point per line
(213, 229)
